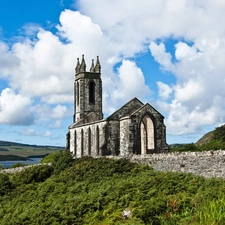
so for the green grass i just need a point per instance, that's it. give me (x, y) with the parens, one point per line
(97, 191)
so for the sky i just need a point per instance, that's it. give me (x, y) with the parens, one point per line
(169, 53)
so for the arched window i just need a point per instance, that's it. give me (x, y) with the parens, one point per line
(97, 141)
(89, 141)
(78, 93)
(92, 92)
(147, 135)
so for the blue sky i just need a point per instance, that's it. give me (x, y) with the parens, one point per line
(169, 53)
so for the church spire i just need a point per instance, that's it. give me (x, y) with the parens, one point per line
(97, 66)
(77, 69)
(92, 69)
(83, 65)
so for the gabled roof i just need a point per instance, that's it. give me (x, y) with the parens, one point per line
(127, 109)
(147, 106)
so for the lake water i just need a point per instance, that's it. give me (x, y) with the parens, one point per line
(8, 164)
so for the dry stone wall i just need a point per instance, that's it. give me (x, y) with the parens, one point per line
(21, 168)
(207, 164)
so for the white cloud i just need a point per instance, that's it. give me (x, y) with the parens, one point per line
(43, 67)
(15, 108)
(161, 56)
(59, 112)
(30, 132)
(47, 134)
(164, 90)
(55, 125)
(131, 83)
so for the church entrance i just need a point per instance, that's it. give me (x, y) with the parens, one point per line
(147, 135)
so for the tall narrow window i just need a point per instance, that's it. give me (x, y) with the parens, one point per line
(97, 141)
(75, 143)
(82, 143)
(78, 93)
(92, 92)
(89, 141)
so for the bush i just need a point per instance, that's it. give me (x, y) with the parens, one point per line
(18, 165)
(213, 145)
(219, 133)
(5, 184)
(34, 174)
(186, 148)
(62, 160)
(49, 158)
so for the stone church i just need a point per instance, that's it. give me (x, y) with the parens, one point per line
(135, 128)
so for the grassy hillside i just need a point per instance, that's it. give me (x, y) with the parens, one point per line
(205, 138)
(102, 191)
(24, 150)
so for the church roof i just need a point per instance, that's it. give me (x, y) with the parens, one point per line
(127, 109)
(146, 107)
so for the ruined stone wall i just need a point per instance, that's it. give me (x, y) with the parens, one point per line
(124, 135)
(113, 128)
(207, 164)
(84, 140)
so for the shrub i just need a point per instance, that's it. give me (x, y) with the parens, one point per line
(18, 165)
(186, 148)
(5, 184)
(62, 160)
(49, 158)
(219, 133)
(34, 174)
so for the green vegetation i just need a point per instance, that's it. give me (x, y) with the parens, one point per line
(12, 158)
(12, 151)
(18, 165)
(97, 191)
(213, 140)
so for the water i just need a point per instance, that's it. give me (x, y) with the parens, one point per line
(8, 164)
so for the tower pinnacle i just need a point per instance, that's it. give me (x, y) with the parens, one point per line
(97, 66)
(83, 65)
(77, 69)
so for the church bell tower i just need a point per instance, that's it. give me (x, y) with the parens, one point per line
(87, 92)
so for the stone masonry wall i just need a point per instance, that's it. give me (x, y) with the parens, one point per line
(207, 164)
(124, 135)
(89, 140)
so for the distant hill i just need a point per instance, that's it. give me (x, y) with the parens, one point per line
(25, 150)
(9, 143)
(206, 138)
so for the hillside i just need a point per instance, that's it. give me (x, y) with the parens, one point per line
(205, 138)
(105, 191)
(24, 150)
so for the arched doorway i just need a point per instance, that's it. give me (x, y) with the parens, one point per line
(147, 135)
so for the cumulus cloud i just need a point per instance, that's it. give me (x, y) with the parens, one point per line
(47, 134)
(161, 56)
(15, 108)
(131, 82)
(197, 62)
(43, 67)
(164, 90)
(55, 125)
(30, 132)
(59, 112)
